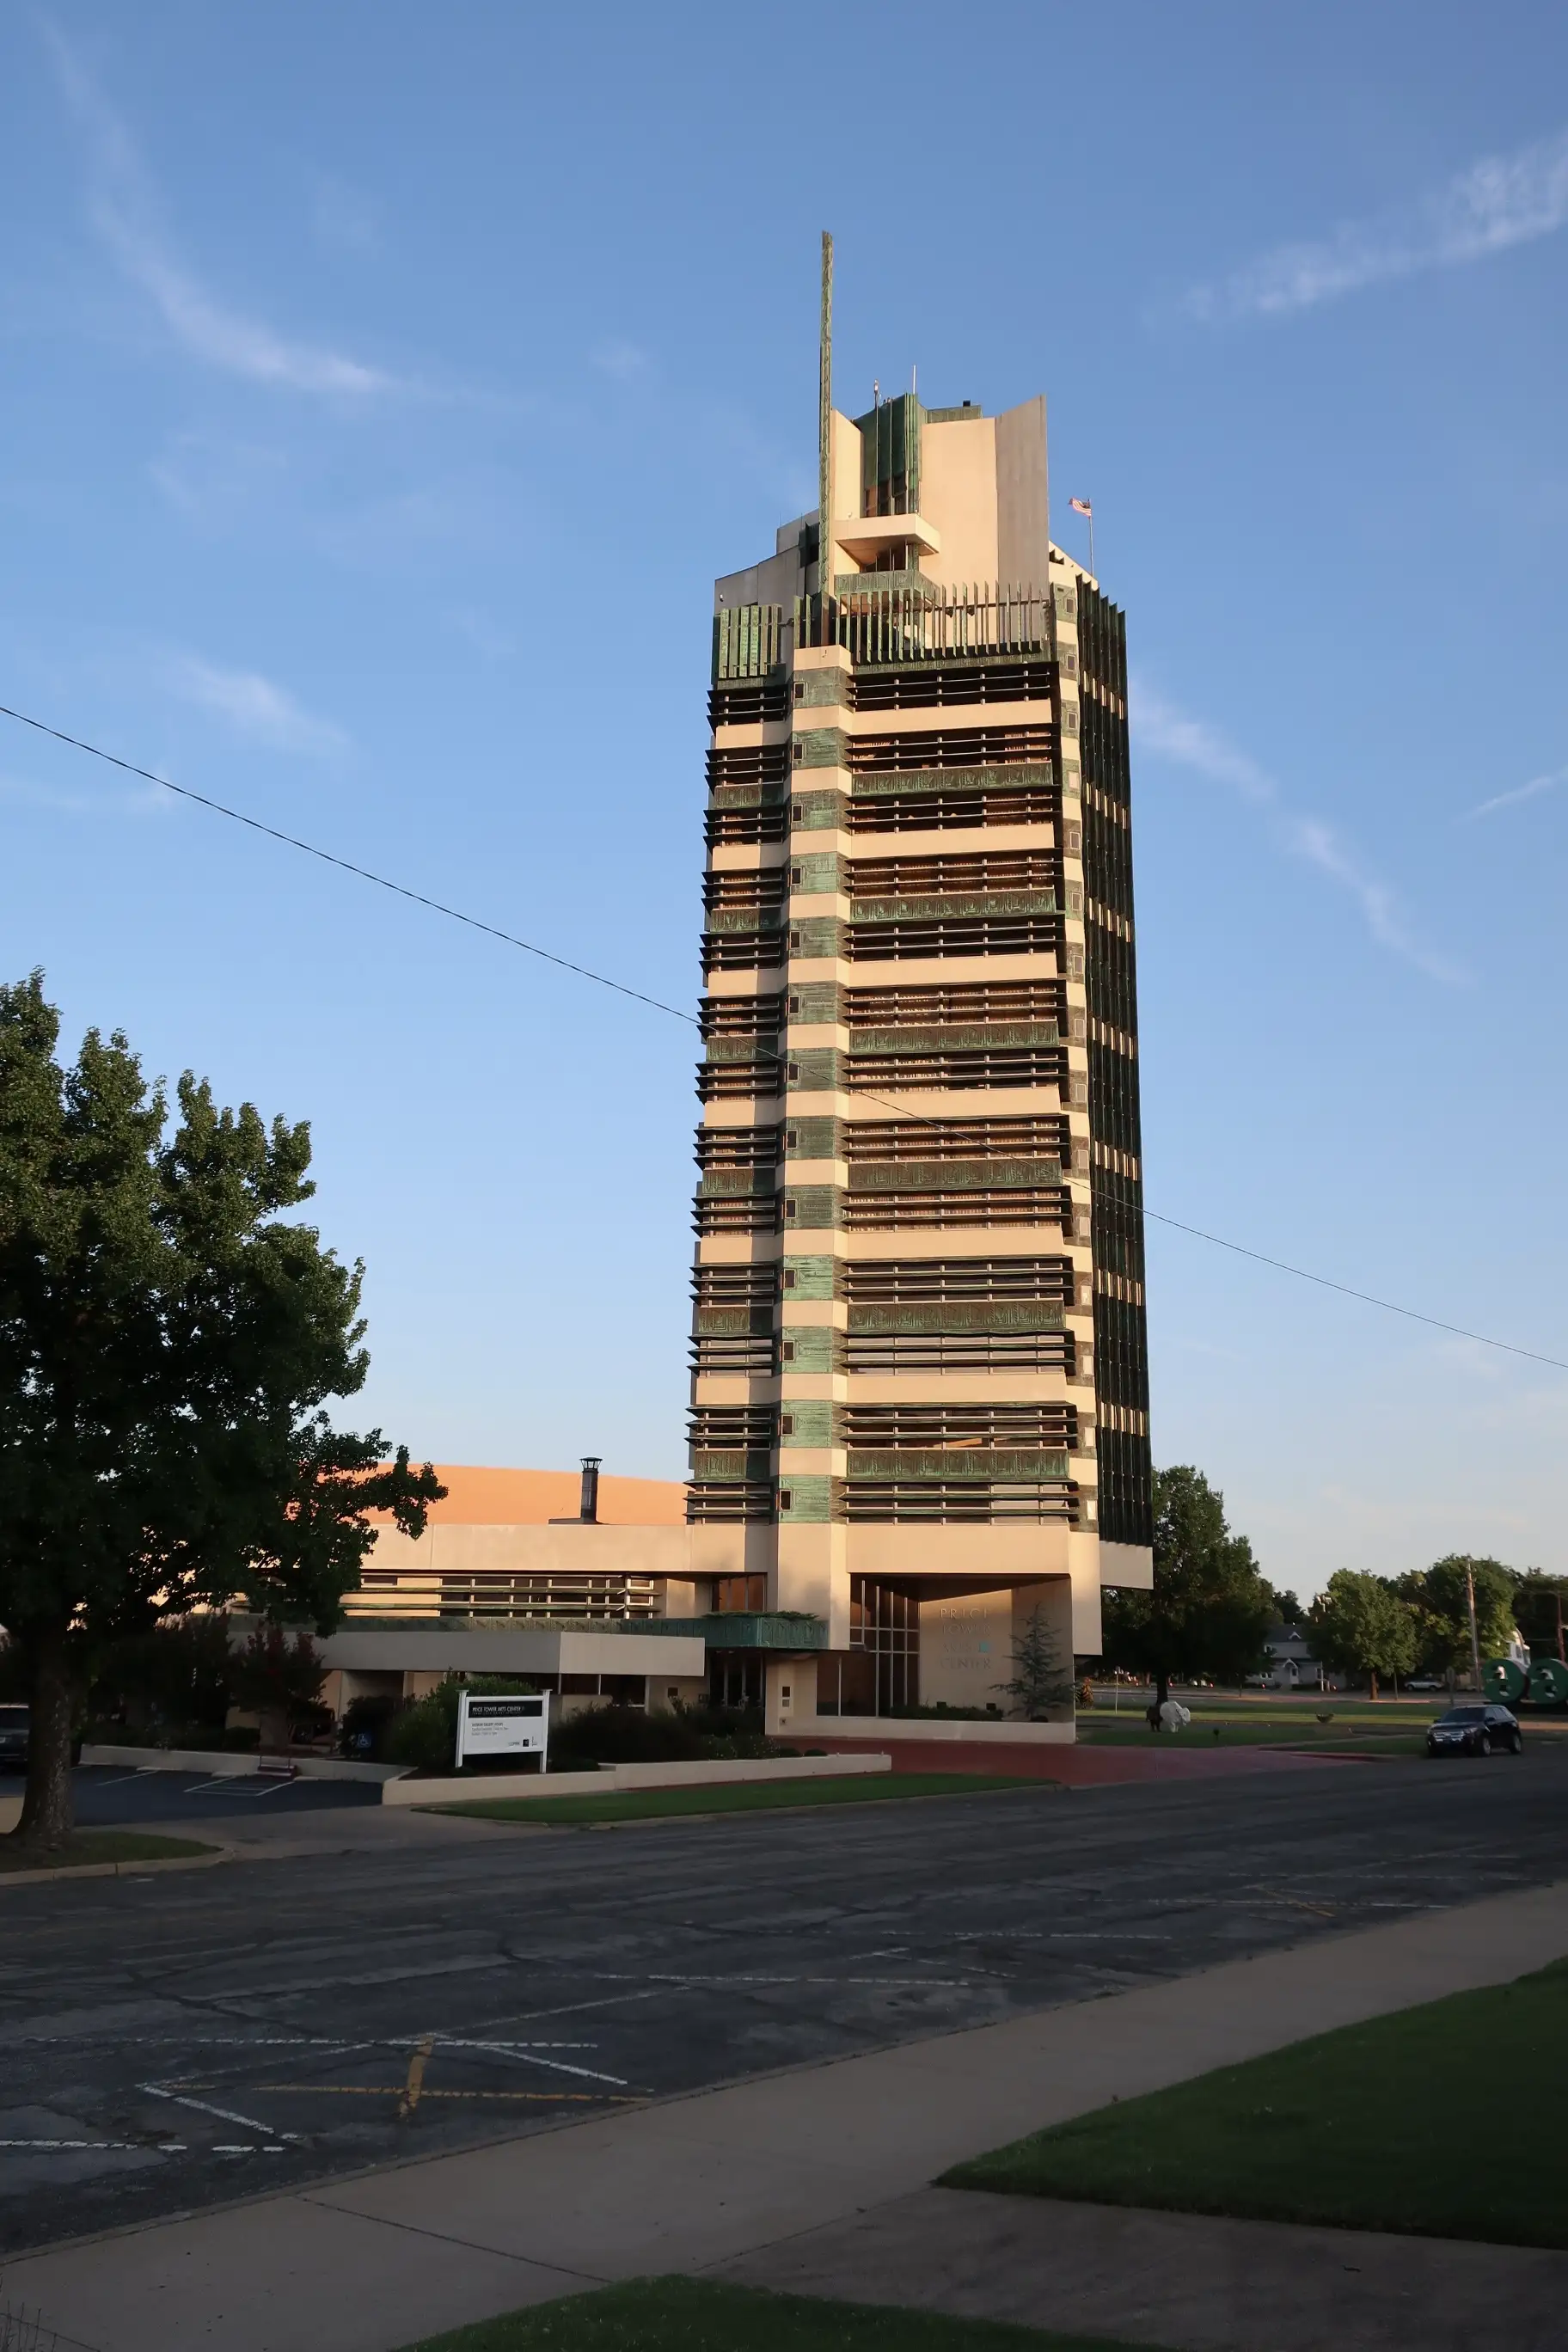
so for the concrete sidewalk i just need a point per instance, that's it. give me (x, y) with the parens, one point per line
(727, 2178)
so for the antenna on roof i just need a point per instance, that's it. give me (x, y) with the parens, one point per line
(824, 422)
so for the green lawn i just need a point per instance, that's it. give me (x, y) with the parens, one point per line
(738, 1797)
(98, 1845)
(675, 2315)
(1443, 2121)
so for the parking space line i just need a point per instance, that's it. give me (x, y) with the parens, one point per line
(224, 2115)
(399, 2091)
(120, 2147)
(529, 2058)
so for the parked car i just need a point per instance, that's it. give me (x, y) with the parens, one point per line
(13, 1738)
(1475, 1731)
(1424, 1683)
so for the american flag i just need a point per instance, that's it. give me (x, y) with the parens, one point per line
(1080, 506)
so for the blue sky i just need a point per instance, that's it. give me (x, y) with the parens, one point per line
(381, 388)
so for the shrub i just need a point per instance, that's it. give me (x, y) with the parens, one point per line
(624, 1735)
(424, 1734)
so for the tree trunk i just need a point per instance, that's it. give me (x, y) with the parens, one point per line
(48, 1814)
(1162, 1693)
(1371, 1678)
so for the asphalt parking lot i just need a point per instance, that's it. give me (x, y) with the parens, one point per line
(182, 2039)
(114, 1796)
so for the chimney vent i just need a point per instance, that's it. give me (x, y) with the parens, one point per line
(588, 1510)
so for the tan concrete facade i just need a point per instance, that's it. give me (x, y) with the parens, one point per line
(919, 1407)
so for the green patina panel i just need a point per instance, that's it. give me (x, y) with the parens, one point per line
(816, 1001)
(813, 1139)
(814, 1071)
(734, 1322)
(815, 688)
(731, 920)
(744, 1469)
(809, 1498)
(734, 1049)
(958, 1315)
(812, 1421)
(903, 781)
(741, 1629)
(821, 747)
(814, 1345)
(983, 1036)
(821, 872)
(958, 908)
(716, 1182)
(748, 641)
(818, 813)
(818, 935)
(952, 1175)
(813, 1278)
(815, 1206)
(955, 1464)
(874, 583)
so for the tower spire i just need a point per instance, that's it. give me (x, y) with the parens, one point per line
(825, 426)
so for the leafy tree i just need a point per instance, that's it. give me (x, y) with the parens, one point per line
(1039, 1680)
(1538, 1611)
(1210, 1610)
(279, 1675)
(1290, 1611)
(1442, 1610)
(168, 1340)
(1364, 1625)
(175, 1673)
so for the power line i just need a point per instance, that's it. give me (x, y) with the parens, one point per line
(398, 889)
(638, 996)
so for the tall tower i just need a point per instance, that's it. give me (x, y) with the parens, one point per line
(920, 1398)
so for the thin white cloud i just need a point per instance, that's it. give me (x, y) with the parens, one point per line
(1522, 792)
(122, 212)
(254, 707)
(26, 792)
(1502, 201)
(624, 361)
(1172, 734)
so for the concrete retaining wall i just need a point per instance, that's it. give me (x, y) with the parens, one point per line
(1001, 1731)
(725, 1772)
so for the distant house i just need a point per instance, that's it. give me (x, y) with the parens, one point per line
(1291, 1665)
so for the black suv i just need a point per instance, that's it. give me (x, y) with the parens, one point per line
(1475, 1731)
(13, 1738)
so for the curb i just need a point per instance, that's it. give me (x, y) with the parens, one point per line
(71, 1871)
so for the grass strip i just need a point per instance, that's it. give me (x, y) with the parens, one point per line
(98, 1845)
(677, 2315)
(737, 1797)
(1438, 2121)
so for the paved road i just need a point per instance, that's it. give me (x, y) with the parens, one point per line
(178, 2039)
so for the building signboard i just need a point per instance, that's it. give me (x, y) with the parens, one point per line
(513, 1725)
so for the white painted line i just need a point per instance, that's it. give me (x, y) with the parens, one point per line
(224, 2115)
(527, 2058)
(120, 2147)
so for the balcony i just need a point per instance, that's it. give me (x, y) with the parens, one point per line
(867, 538)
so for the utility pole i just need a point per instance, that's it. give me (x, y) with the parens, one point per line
(1475, 1638)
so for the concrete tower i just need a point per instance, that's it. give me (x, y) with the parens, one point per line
(920, 1398)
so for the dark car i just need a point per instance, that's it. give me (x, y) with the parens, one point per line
(1475, 1731)
(13, 1738)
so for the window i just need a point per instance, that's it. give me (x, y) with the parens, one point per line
(789, 1277)
(787, 1500)
(733, 1594)
(786, 1425)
